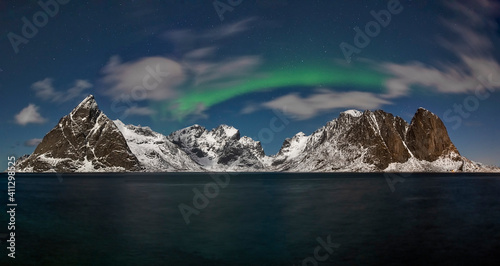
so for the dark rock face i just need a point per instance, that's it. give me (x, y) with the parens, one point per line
(84, 140)
(356, 140)
(374, 131)
(381, 134)
(427, 137)
(391, 130)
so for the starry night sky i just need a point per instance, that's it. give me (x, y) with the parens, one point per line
(270, 68)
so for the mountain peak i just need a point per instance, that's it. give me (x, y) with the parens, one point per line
(89, 100)
(87, 106)
(229, 131)
(353, 112)
(423, 111)
(85, 140)
(427, 136)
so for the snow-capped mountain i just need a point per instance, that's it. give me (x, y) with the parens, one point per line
(374, 141)
(85, 140)
(155, 152)
(88, 141)
(220, 149)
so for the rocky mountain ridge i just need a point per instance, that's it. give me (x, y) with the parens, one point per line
(86, 140)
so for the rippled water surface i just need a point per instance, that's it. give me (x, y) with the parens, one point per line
(254, 219)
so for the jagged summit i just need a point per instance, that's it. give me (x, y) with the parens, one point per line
(88, 103)
(428, 138)
(352, 112)
(228, 131)
(220, 148)
(155, 151)
(374, 141)
(87, 108)
(86, 140)
(89, 97)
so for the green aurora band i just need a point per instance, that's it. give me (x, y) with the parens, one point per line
(310, 77)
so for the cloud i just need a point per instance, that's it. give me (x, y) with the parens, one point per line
(45, 90)
(234, 68)
(230, 29)
(322, 101)
(250, 108)
(472, 47)
(201, 53)
(186, 39)
(196, 69)
(491, 6)
(32, 142)
(134, 110)
(450, 79)
(28, 115)
(77, 90)
(149, 78)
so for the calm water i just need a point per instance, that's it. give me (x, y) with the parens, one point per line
(257, 219)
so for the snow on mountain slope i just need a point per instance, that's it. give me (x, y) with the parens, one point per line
(374, 141)
(220, 149)
(85, 140)
(155, 152)
(353, 113)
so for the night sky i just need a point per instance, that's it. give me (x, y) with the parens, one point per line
(270, 68)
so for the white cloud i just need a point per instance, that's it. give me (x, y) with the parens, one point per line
(472, 46)
(207, 72)
(152, 78)
(28, 115)
(186, 39)
(77, 90)
(450, 79)
(323, 101)
(196, 68)
(227, 30)
(45, 90)
(32, 142)
(134, 110)
(250, 108)
(201, 53)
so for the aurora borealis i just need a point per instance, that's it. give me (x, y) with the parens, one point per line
(308, 77)
(170, 64)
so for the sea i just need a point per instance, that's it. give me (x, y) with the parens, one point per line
(252, 219)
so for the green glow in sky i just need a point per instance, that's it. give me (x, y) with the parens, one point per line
(278, 79)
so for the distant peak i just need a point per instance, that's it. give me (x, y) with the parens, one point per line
(353, 112)
(229, 131)
(88, 100)
(422, 111)
(299, 135)
(195, 127)
(226, 127)
(88, 103)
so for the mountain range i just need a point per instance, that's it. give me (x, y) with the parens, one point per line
(86, 140)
